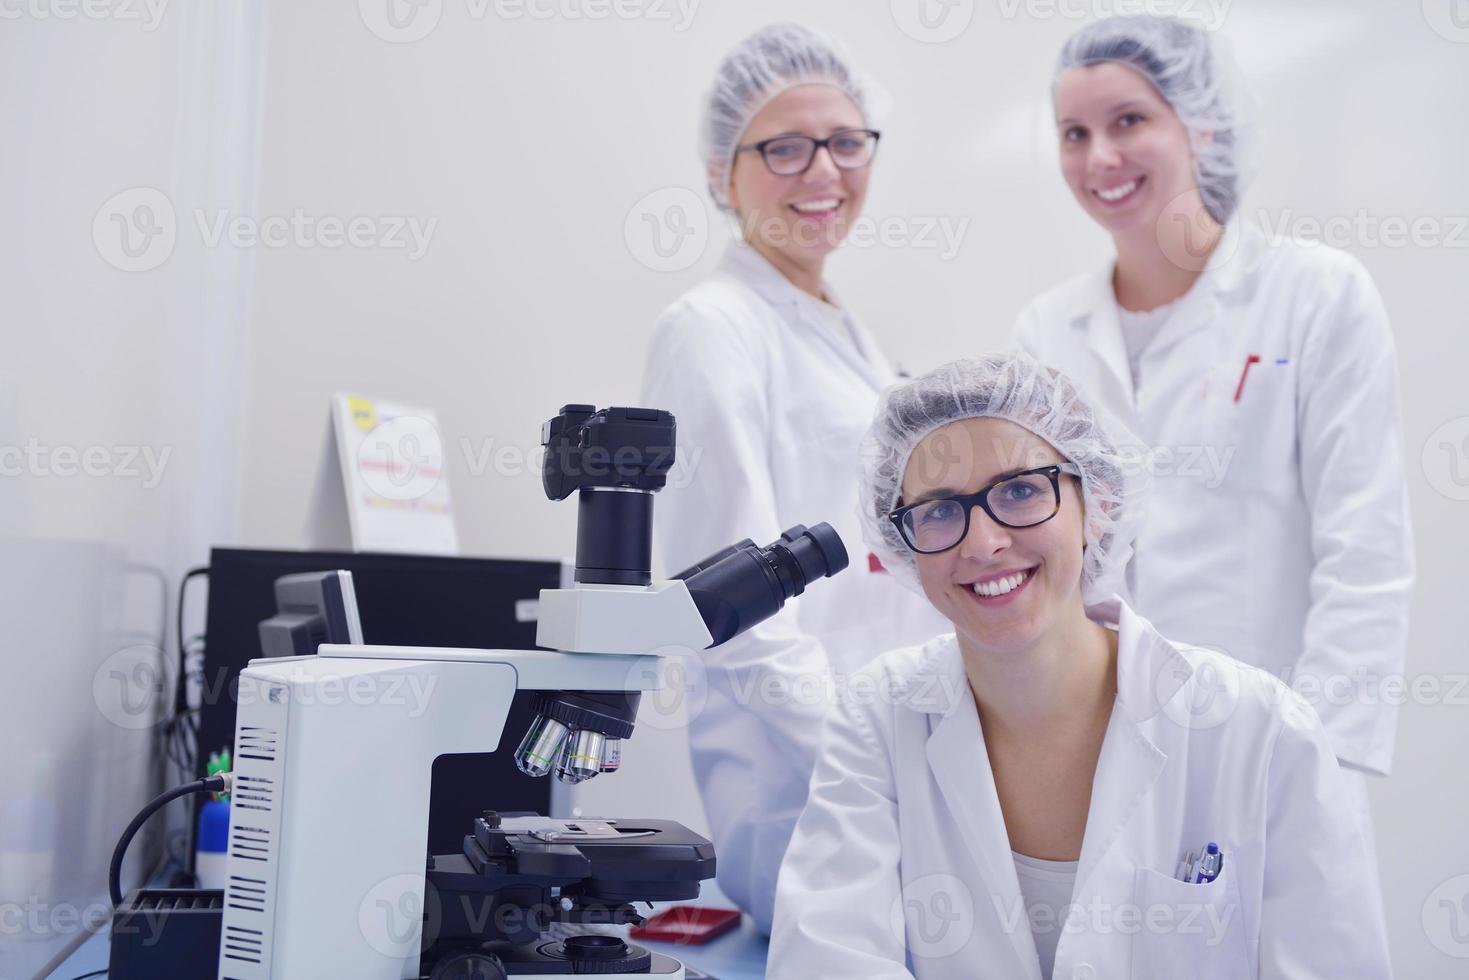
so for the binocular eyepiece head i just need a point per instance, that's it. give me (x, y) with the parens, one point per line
(615, 460)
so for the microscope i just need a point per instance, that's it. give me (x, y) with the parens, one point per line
(327, 871)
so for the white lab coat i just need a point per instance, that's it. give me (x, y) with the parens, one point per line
(771, 403)
(1278, 528)
(900, 866)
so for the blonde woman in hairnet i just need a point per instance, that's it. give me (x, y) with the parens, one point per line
(772, 381)
(1033, 795)
(1262, 373)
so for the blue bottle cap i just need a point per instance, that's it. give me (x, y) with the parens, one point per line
(214, 827)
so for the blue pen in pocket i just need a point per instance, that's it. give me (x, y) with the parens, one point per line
(1211, 862)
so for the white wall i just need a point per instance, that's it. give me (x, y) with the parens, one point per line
(534, 145)
(119, 436)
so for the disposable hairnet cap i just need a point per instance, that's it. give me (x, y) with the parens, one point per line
(1193, 76)
(765, 64)
(1016, 387)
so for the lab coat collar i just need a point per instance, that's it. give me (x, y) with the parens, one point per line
(936, 683)
(1094, 305)
(797, 307)
(750, 267)
(1199, 307)
(1236, 255)
(1150, 669)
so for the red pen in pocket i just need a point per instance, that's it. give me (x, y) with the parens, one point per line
(1252, 359)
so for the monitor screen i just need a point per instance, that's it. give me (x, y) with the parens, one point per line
(408, 600)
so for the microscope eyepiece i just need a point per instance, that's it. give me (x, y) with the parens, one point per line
(743, 585)
(818, 551)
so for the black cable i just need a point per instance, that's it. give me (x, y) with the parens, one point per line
(181, 751)
(188, 762)
(180, 695)
(94, 973)
(218, 783)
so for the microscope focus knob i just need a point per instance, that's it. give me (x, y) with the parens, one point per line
(600, 954)
(469, 965)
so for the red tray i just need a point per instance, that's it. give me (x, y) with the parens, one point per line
(687, 925)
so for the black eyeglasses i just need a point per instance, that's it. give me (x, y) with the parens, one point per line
(786, 156)
(1019, 500)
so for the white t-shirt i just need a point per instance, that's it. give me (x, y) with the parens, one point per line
(1139, 327)
(1045, 887)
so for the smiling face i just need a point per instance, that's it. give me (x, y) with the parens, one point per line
(801, 217)
(1125, 154)
(1004, 589)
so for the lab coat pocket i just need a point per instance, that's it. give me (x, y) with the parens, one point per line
(1190, 930)
(1253, 425)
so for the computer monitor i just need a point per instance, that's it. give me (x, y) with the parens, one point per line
(408, 600)
(312, 608)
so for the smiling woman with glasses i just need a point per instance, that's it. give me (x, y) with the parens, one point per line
(1005, 799)
(772, 381)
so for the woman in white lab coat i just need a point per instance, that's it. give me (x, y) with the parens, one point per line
(1019, 798)
(772, 382)
(1262, 374)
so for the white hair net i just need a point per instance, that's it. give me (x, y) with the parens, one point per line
(1017, 387)
(762, 66)
(1196, 79)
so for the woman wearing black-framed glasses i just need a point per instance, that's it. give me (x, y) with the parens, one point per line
(994, 801)
(772, 381)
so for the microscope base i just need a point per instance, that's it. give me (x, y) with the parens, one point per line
(547, 961)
